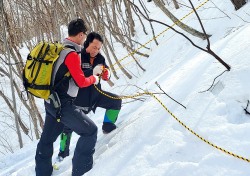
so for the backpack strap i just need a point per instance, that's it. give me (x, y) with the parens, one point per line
(54, 96)
(40, 59)
(57, 104)
(73, 48)
(67, 74)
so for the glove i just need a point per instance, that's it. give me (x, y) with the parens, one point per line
(105, 74)
(98, 70)
(97, 79)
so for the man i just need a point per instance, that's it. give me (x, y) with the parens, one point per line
(89, 98)
(71, 115)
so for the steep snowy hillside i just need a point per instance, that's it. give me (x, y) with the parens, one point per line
(149, 141)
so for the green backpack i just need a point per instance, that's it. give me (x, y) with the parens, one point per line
(38, 70)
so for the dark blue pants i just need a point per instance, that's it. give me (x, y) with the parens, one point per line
(74, 118)
(98, 100)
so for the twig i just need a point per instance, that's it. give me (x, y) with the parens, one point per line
(202, 27)
(143, 89)
(152, 28)
(219, 9)
(208, 41)
(184, 5)
(241, 18)
(213, 82)
(134, 99)
(168, 95)
(246, 111)
(215, 18)
(209, 51)
(6, 63)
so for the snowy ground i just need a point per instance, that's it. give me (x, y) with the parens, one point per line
(149, 141)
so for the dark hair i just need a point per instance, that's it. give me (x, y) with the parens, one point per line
(91, 36)
(76, 26)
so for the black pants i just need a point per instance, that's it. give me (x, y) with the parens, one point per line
(74, 118)
(105, 102)
(101, 101)
(89, 98)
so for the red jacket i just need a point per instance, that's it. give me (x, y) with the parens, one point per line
(73, 62)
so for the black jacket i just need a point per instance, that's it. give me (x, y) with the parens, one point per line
(87, 97)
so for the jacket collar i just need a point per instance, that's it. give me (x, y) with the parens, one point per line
(67, 41)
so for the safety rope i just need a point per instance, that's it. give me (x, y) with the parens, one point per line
(179, 121)
(138, 58)
(144, 45)
(159, 101)
(193, 132)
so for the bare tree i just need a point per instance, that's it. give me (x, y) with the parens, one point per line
(20, 140)
(29, 21)
(208, 50)
(178, 22)
(5, 144)
(238, 3)
(176, 5)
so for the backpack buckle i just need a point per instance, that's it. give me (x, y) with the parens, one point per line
(57, 104)
(55, 99)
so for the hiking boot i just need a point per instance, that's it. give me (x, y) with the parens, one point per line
(59, 158)
(63, 154)
(107, 127)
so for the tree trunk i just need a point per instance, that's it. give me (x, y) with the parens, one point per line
(37, 19)
(183, 26)
(35, 115)
(32, 109)
(118, 63)
(151, 25)
(20, 122)
(238, 3)
(130, 20)
(55, 23)
(109, 61)
(176, 5)
(72, 9)
(20, 140)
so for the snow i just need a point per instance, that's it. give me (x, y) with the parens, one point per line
(149, 141)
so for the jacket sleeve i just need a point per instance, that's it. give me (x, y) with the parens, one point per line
(73, 63)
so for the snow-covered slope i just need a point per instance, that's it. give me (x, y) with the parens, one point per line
(149, 141)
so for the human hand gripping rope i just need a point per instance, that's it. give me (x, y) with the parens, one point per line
(101, 72)
(97, 72)
(105, 74)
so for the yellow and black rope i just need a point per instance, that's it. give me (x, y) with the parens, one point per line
(180, 122)
(152, 95)
(144, 45)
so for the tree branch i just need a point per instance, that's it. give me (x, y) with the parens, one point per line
(208, 42)
(209, 51)
(168, 95)
(213, 82)
(246, 111)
